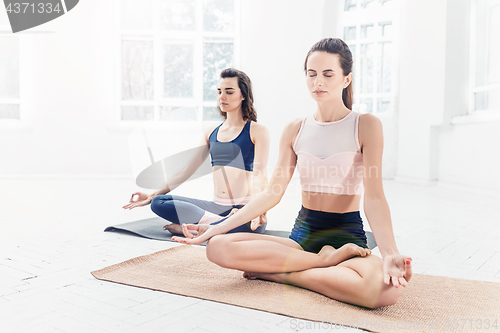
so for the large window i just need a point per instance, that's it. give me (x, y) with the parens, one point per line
(9, 71)
(368, 27)
(485, 55)
(172, 52)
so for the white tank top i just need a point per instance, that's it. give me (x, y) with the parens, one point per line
(329, 159)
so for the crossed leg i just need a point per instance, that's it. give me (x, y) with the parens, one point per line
(271, 254)
(178, 210)
(349, 274)
(356, 281)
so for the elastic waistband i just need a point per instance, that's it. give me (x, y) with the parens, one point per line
(232, 202)
(317, 214)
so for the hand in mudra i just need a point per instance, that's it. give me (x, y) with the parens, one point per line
(141, 199)
(397, 270)
(256, 222)
(196, 233)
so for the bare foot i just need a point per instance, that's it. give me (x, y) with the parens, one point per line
(275, 277)
(334, 256)
(175, 229)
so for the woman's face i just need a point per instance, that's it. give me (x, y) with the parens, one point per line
(229, 94)
(325, 78)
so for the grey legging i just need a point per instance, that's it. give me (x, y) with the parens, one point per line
(180, 210)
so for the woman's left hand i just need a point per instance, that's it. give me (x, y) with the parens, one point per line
(397, 269)
(258, 221)
(196, 234)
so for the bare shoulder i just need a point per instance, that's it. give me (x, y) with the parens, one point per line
(291, 130)
(369, 125)
(371, 135)
(257, 128)
(208, 130)
(258, 132)
(294, 124)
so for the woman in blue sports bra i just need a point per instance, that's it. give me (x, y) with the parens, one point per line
(238, 149)
(338, 154)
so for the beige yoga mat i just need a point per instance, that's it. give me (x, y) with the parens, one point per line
(429, 303)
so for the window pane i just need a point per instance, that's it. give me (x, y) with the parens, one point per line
(137, 112)
(386, 29)
(177, 15)
(211, 113)
(487, 100)
(383, 105)
(366, 105)
(350, 5)
(349, 33)
(137, 14)
(177, 113)
(178, 70)
(384, 73)
(481, 100)
(216, 57)
(367, 31)
(218, 15)
(366, 69)
(9, 67)
(137, 70)
(9, 111)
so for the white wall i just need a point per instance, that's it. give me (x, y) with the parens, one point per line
(468, 155)
(421, 86)
(434, 78)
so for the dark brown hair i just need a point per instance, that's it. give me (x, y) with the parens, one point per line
(336, 46)
(245, 85)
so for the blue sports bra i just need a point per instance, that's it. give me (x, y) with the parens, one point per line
(238, 153)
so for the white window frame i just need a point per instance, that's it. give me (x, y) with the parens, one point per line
(159, 37)
(375, 16)
(473, 88)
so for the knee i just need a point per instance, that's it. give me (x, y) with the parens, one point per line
(159, 201)
(379, 294)
(389, 296)
(217, 250)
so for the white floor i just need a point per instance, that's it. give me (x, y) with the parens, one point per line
(52, 238)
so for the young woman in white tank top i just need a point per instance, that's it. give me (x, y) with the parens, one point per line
(339, 155)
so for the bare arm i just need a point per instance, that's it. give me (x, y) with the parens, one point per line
(267, 199)
(260, 136)
(375, 203)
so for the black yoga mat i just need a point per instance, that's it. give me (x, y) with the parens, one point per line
(153, 228)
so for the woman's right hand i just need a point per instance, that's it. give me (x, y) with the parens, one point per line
(142, 199)
(197, 233)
